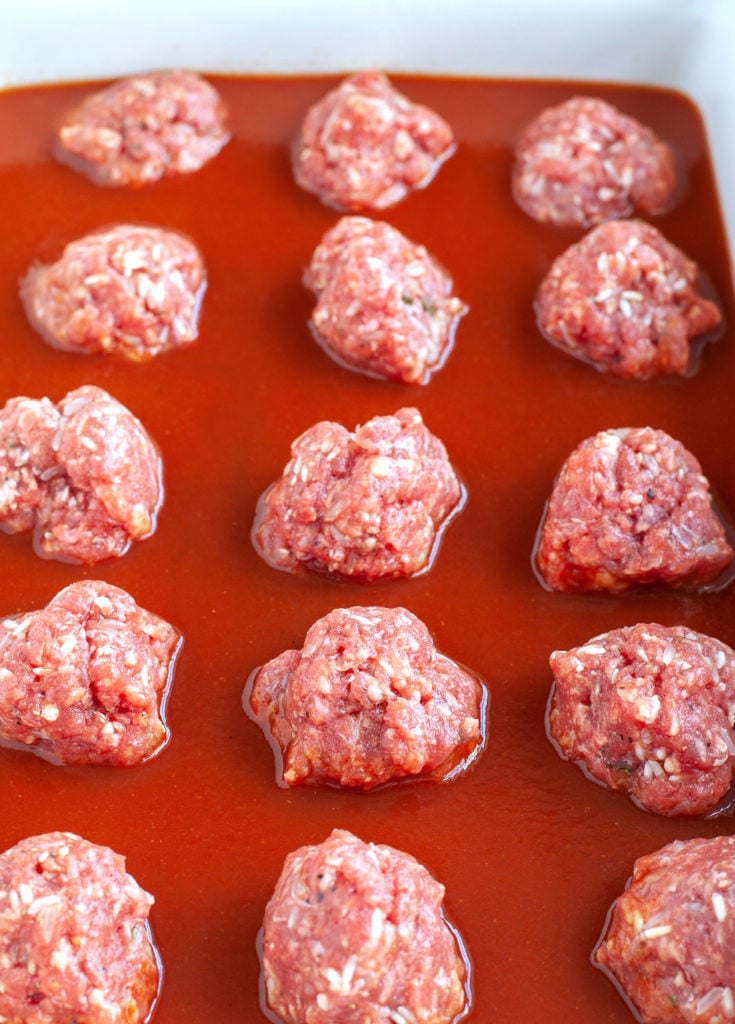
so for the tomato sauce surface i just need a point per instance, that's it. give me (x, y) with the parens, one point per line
(530, 851)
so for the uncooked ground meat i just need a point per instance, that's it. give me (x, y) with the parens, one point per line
(82, 681)
(355, 933)
(367, 699)
(144, 128)
(625, 300)
(584, 162)
(369, 504)
(84, 475)
(74, 941)
(131, 290)
(364, 145)
(629, 507)
(385, 306)
(671, 934)
(649, 710)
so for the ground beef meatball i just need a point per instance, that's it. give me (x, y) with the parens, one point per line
(144, 128)
(671, 934)
(131, 290)
(364, 146)
(649, 710)
(355, 933)
(630, 507)
(83, 680)
(83, 474)
(384, 303)
(366, 700)
(625, 300)
(74, 939)
(584, 162)
(368, 505)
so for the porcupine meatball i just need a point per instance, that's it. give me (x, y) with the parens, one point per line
(384, 305)
(74, 941)
(649, 710)
(355, 933)
(84, 475)
(364, 145)
(671, 934)
(83, 680)
(130, 290)
(630, 507)
(366, 700)
(369, 504)
(625, 300)
(583, 162)
(143, 128)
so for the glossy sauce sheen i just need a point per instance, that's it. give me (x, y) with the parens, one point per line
(531, 852)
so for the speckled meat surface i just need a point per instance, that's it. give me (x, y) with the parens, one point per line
(144, 128)
(385, 306)
(672, 932)
(368, 504)
(74, 945)
(84, 475)
(130, 290)
(354, 934)
(629, 507)
(82, 680)
(584, 162)
(625, 300)
(367, 699)
(649, 710)
(365, 146)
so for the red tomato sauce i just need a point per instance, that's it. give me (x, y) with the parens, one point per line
(530, 851)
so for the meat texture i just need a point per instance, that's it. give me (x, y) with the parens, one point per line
(671, 934)
(366, 700)
(584, 162)
(369, 504)
(83, 474)
(385, 306)
(131, 290)
(649, 710)
(354, 934)
(143, 128)
(83, 680)
(630, 507)
(364, 145)
(74, 939)
(625, 300)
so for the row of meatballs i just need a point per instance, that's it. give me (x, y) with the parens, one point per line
(368, 699)
(354, 932)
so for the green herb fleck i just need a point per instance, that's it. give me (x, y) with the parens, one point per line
(407, 299)
(429, 306)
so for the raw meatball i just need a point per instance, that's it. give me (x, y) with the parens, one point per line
(369, 505)
(584, 161)
(630, 507)
(671, 934)
(144, 128)
(367, 699)
(624, 299)
(649, 710)
(81, 681)
(131, 290)
(354, 933)
(384, 304)
(364, 146)
(74, 939)
(84, 475)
